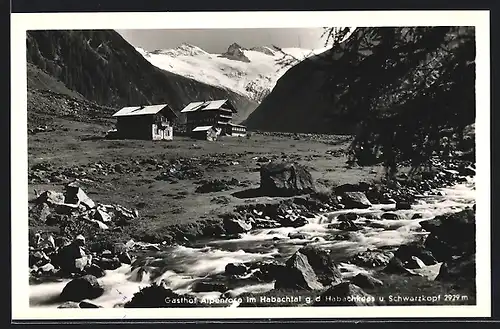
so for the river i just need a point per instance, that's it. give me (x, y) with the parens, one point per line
(179, 267)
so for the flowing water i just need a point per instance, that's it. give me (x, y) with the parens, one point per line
(179, 267)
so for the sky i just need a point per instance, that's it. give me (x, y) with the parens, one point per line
(218, 40)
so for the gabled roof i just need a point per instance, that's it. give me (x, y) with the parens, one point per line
(142, 110)
(202, 128)
(208, 105)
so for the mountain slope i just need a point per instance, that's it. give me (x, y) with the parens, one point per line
(298, 102)
(251, 72)
(312, 95)
(103, 67)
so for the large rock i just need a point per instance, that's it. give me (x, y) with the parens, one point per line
(235, 269)
(345, 294)
(372, 258)
(69, 258)
(298, 274)
(364, 280)
(208, 287)
(285, 179)
(85, 287)
(406, 253)
(451, 234)
(108, 263)
(323, 264)
(75, 195)
(460, 268)
(51, 198)
(234, 223)
(355, 200)
(395, 266)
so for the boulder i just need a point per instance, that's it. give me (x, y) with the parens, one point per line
(414, 263)
(51, 198)
(285, 179)
(351, 216)
(69, 305)
(348, 226)
(460, 268)
(353, 200)
(297, 274)
(201, 286)
(297, 235)
(102, 216)
(345, 294)
(234, 223)
(406, 253)
(85, 287)
(75, 195)
(451, 234)
(395, 266)
(125, 258)
(95, 271)
(367, 281)
(391, 216)
(85, 304)
(235, 269)
(372, 258)
(108, 263)
(68, 255)
(403, 205)
(323, 264)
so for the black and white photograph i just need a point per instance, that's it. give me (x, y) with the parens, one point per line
(308, 168)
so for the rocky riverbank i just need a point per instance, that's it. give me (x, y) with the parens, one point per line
(87, 244)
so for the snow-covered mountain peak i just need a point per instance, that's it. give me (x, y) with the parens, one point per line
(184, 49)
(250, 72)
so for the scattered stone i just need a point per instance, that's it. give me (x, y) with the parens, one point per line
(416, 216)
(69, 305)
(406, 253)
(355, 200)
(285, 179)
(95, 270)
(201, 286)
(235, 269)
(460, 268)
(395, 266)
(125, 258)
(345, 294)
(323, 264)
(108, 264)
(364, 280)
(402, 205)
(234, 224)
(351, 216)
(75, 195)
(298, 274)
(372, 258)
(392, 216)
(85, 304)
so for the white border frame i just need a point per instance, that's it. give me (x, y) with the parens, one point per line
(20, 23)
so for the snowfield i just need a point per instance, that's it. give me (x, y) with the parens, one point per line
(254, 79)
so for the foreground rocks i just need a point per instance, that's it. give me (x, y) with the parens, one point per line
(310, 268)
(345, 294)
(451, 235)
(85, 287)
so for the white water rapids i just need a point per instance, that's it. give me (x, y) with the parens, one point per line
(180, 266)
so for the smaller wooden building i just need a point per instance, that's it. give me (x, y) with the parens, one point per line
(151, 122)
(209, 133)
